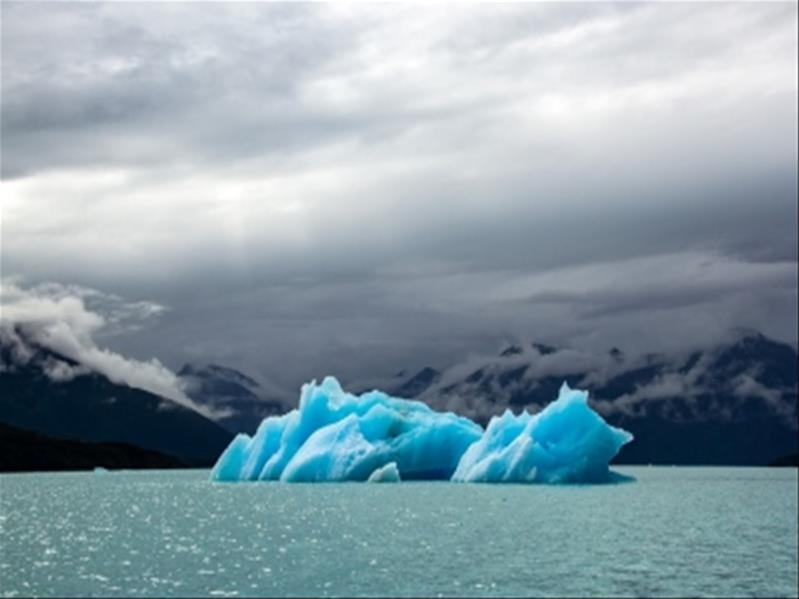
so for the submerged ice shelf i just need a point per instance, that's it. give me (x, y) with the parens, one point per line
(337, 436)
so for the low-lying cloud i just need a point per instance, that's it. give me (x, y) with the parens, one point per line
(57, 318)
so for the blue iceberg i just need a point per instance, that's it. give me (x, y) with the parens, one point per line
(567, 442)
(337, 436)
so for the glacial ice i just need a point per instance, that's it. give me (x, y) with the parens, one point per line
(337, 436)
(567, 442)
(387, 474)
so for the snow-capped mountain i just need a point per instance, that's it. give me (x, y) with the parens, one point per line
(735, 403)
(239, 400)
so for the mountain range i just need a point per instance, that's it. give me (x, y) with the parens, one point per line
(731, 404)
(87, 406)
(238, 400)
(735, 403)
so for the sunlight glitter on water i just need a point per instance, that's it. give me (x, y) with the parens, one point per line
(676, 531)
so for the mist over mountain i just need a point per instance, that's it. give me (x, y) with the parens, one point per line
(748, 365)
(239, 400)
(735, 403)
(49, 393)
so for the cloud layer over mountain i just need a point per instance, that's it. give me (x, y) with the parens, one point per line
(57, 318)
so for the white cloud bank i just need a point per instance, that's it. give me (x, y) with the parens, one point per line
(58, 318)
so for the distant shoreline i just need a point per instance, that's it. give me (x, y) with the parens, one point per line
(26, 451)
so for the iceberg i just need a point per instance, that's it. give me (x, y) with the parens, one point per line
(337, 436)
(567, 442)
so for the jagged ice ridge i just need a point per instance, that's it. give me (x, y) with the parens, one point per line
(337, 436)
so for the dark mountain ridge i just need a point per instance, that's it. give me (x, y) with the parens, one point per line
(237, 398)
(732, 404)
(86, 406)
(26, 451)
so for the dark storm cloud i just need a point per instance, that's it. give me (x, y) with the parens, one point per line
(146, 84)
(665, 291)
(328, 188)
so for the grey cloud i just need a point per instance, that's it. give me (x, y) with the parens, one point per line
(321, 189)
(668, 293)
(57, 320)
(221, 83)
(131, 86)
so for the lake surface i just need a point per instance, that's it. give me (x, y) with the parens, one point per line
(673, 532)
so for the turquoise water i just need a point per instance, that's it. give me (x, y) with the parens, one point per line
(674, 532)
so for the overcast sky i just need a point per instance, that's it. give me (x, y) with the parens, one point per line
(308, 189)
